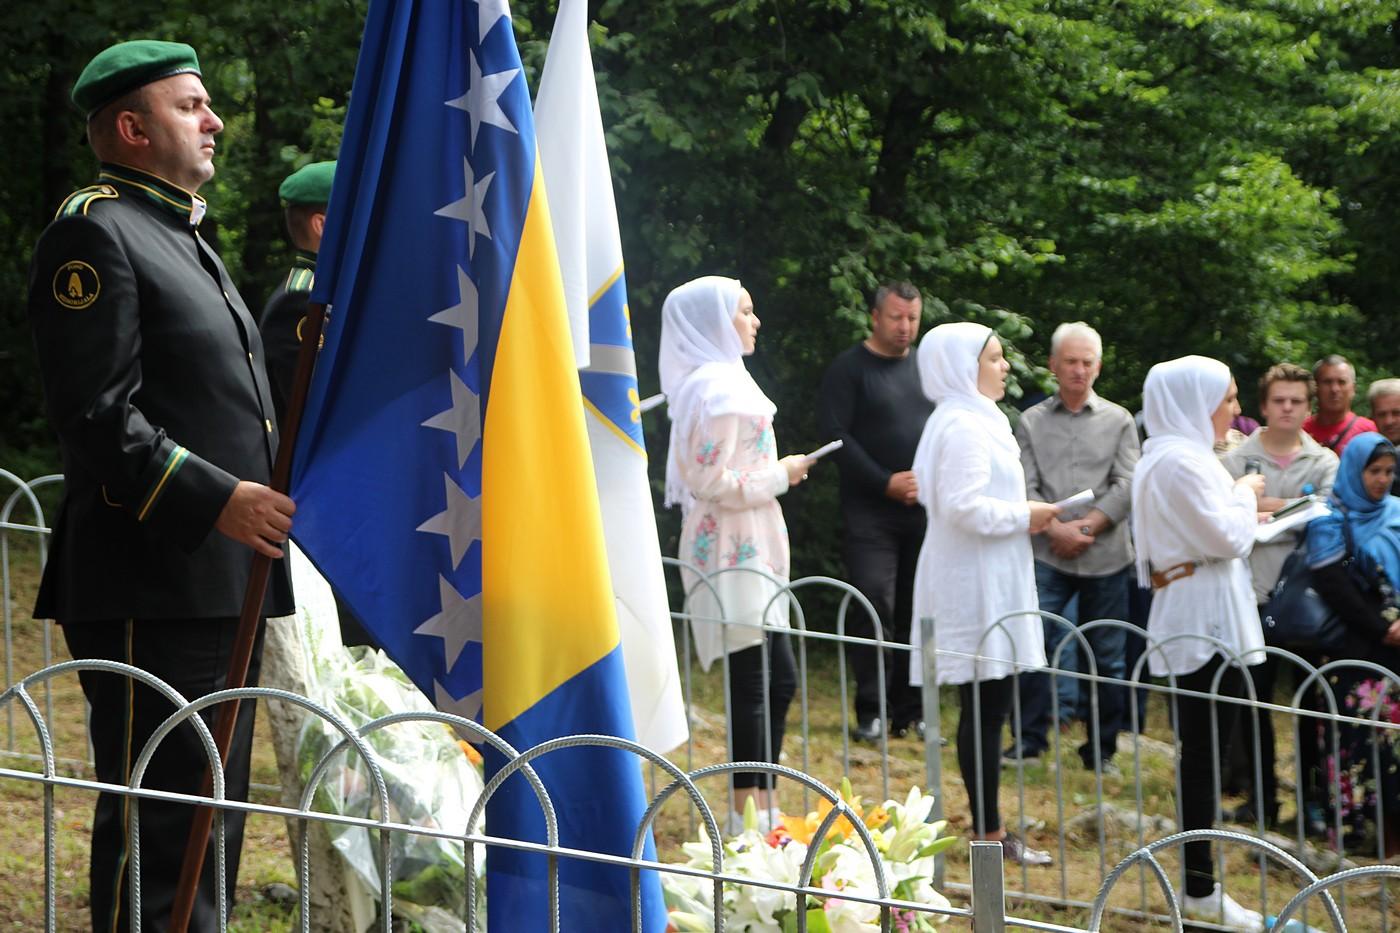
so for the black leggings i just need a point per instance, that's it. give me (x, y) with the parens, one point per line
(747, 713)
(994, 700)
(1197, 763)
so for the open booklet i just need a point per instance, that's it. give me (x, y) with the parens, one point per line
(1295, 514)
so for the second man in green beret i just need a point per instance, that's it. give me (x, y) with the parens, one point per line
(305, 194)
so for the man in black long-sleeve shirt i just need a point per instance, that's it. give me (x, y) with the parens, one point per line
(872, 400)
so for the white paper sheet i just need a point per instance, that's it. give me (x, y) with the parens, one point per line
(825, 449)
(1083, 497)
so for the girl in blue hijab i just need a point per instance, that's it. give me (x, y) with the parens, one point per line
(1364, 524)
(1362, 501)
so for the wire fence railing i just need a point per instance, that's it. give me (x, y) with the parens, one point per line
(1098, 821)
(987, 909)
(19, 500)
(1119, 809)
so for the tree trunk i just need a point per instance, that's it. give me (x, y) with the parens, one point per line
(904, 129)
(58, 130)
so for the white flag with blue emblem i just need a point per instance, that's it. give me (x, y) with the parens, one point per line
(574, 157)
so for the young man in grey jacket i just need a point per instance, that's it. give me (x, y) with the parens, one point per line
(1293, 465)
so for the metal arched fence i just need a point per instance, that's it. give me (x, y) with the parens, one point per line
(36, 534)
(1113, 812)
(1116, 817)
(987, 910)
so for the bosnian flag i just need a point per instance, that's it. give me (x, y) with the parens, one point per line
(569, 131)
(443, 479)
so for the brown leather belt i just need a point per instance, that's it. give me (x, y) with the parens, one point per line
(1181, 571)
(1163, 578)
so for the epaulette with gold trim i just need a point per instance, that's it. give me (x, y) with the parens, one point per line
(79, 201)
(300, 280)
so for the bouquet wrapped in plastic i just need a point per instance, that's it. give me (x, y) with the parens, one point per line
(432, 778)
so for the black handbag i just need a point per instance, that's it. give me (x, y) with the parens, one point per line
(1296, 617)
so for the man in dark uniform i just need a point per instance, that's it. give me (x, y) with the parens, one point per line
(305, 192)
(154, 380)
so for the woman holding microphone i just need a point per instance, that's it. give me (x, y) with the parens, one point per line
(1194, 526)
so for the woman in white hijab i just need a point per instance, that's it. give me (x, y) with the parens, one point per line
(723, 470)
(1193, 527)
(975, 565)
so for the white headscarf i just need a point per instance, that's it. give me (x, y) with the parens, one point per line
(1178, 399)
(948, 369)
(702, 367)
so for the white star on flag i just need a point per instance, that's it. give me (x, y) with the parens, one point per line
(482, 99)
(463, 419)
(468, 707)
(458, 624)
(470, 208)
(460, 522)
(462, 315)
(488, 13)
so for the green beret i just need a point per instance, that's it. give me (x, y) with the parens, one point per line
(310, 184)
(127, 66)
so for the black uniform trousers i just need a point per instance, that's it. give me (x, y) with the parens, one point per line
(881, 549)
(192, 656)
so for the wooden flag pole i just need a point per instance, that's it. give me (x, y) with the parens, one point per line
(248, 623)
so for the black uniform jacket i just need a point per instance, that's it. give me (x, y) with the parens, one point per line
(281, 324)
(155, 382)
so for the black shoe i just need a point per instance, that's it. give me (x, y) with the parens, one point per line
(1106, 767)
(1019, 753)
(868, 730)
(1246, 815)
(902, 729)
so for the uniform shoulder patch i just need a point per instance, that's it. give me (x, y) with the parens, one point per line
(79, 201)
(300, 280)
(76, 285)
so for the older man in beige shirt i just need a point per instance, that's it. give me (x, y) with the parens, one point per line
(1071, 442)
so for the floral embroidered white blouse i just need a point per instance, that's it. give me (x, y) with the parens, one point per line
(731, 469)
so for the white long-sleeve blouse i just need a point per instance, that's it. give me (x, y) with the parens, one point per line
(1192, 511)
(975, 565)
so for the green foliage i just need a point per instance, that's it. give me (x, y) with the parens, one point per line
(1208, 176)
(280, 77)
(1178, 175)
